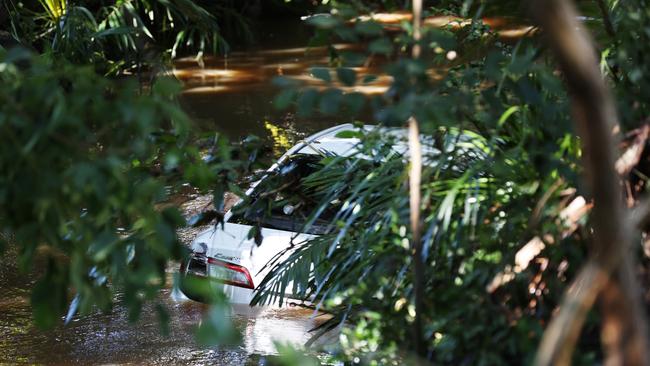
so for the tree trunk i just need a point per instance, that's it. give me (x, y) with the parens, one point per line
(608, 273)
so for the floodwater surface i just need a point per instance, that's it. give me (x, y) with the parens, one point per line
(232, 95)
(109, 338)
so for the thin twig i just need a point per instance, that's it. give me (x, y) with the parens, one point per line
(609, 27)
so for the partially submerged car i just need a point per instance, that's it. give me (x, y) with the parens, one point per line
(228, 256)
(276, 210)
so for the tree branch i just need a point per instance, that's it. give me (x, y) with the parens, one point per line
(595, 117)
(415, 174)
(607, 21)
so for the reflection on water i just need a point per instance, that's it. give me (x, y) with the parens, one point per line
(110, 338)
(234, 94)
(504, 27)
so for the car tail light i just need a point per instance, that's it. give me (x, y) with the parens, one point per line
(230, 274)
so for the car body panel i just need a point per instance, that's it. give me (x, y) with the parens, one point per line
(230, 243)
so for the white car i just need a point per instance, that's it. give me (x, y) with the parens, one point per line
(228, 257)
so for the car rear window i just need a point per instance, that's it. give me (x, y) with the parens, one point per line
(280, 201)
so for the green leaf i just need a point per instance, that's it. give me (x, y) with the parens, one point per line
(353, 59)
(330, 101)
(284, 99)
(163, 319)
(283, 82)
(381, 46)
(255, 233)
(171, 161)
(218, 198)
(355, 102)
(324, 21)
(115, 32)
(167, 86)
(346, 34)
(350, 134)
(346, 76)
(17, 54)
(217, 328)
(443, 39)
(307, 102)
(49, 299)
(369, 28)
(321, 73)
(102, 246)
(291, 356)
(369, 78)
(203, 218)
(504, 117)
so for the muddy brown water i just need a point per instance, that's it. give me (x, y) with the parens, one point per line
(232, 95)
(109, 338)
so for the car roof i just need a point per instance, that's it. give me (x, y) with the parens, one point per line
(329, 141)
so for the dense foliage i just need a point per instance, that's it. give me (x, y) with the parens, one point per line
(499, 241)
(127, 35)
(88, 165)
(88, 161)
(71, 191)
(77, 187)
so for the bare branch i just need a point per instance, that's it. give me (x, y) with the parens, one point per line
(607, 21)
(595, 117)
(415, 177)
(561, 335)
